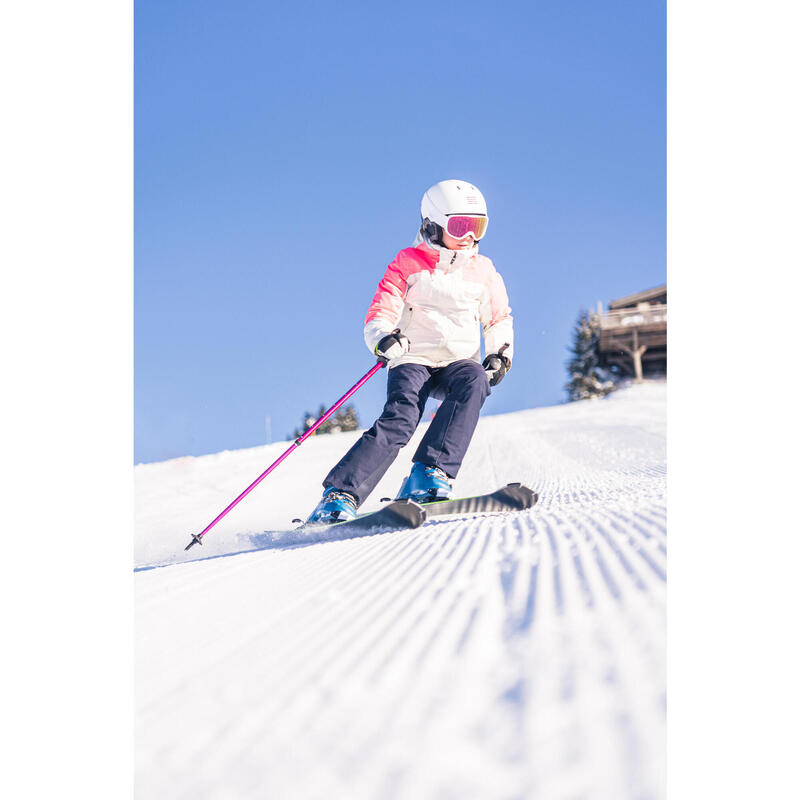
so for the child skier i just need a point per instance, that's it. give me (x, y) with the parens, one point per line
(423, 323)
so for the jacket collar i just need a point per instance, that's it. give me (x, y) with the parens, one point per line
(444, 259)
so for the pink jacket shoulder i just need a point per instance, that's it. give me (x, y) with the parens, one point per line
(388, 299)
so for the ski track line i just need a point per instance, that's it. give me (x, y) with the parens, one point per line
(484, 657)
(418, 620)
(416, 665)
(365, 734)
(306, 734)
(240, 637)
(352, 645)
(295, 682)
(207, 599)
(390, 615)
(615, 672)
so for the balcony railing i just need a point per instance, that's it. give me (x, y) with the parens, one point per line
(630, 317)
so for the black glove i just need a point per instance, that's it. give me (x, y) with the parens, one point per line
(392, 346)
(496, 366)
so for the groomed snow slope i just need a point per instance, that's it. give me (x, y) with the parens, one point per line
(511, 656)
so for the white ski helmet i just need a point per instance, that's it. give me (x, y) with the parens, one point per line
(452, 198)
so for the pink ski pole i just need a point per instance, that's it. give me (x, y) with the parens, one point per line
(196, 538)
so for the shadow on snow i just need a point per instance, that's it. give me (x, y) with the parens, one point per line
(289, 540)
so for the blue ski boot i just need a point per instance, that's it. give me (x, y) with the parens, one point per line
(425, 484)
(335, 506)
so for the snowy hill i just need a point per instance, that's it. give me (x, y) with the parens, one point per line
(511, 656)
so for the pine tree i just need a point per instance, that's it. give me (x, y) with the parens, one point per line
(345, 419)
(349, 418)
(586, 378)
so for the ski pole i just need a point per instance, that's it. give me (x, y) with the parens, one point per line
(196, 538)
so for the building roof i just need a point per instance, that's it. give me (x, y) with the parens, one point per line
(659, 293)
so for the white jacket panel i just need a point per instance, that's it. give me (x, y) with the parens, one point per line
(441, 300)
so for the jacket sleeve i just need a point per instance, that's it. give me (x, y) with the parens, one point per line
(386, 306)
(496, 319)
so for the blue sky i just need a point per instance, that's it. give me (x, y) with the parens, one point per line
(281, 151)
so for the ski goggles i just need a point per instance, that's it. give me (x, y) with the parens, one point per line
(459, 226)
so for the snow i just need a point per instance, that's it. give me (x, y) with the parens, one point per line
(505, 656)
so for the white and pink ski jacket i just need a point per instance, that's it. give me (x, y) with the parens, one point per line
(441, 299)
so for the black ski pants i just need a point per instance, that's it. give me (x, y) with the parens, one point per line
(462, 386)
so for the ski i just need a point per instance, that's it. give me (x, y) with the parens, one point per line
(512, 497)
(406, 514)
(398, 515)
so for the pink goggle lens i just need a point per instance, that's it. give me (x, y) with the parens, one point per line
(459, 227)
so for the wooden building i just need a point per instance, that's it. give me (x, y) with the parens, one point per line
(633, 334)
